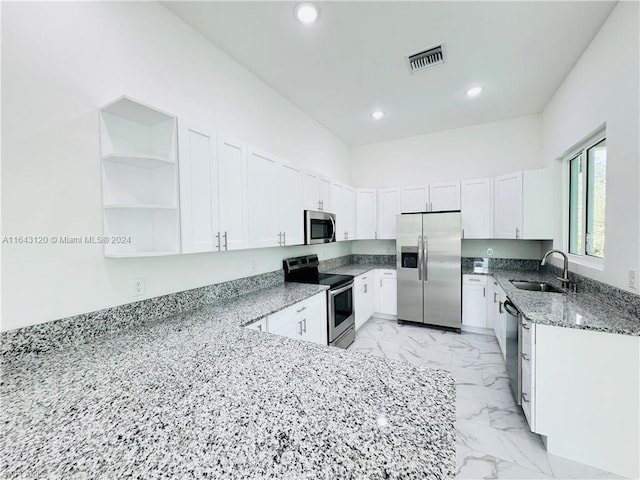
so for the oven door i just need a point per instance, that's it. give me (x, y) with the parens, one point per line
(340, 310)
(319, 227)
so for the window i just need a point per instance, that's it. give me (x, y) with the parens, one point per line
(587, 198)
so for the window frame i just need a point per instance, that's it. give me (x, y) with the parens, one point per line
(582, 148)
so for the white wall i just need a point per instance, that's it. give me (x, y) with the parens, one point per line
(483, 150)
(603, 87)
(60, 63)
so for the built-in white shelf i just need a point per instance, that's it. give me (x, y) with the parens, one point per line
(140, 160)
(139, 179)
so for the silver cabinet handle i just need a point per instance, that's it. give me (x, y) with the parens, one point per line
(463, 233)
(524, 398)
(301, 309)
(218, 237)
(280, 238)
(300, 329)
(525, 325)
(259, 328)
(225, 241)
(365, 288)
(321, 205)
(364, 278)
(375, 234)
(430, 207)
(525, 357)
(473, 279)
(380, 282)
(495, 299)
(284, 238)
(484, 291)
(304, 320)
(500, 307)
(420, 257)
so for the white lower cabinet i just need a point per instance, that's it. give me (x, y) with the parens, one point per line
(306, 320)
(474, 301)
(528, 372)
(363, 297)
(387, 298)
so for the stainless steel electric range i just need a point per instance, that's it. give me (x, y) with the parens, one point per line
(340, 312)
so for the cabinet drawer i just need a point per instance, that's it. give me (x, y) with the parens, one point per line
(387, 273)
(468, 279)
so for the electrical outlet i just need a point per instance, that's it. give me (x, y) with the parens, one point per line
(489, 252)
(138, 287)
(633, 279)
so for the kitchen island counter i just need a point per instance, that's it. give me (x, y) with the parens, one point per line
(196, 395)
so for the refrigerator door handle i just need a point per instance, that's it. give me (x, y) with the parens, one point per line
(419, 257)
(426, 258)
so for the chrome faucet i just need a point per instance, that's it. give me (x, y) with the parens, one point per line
(565, 273)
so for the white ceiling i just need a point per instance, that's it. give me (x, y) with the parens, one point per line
(352, 60)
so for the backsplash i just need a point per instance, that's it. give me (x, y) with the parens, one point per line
(84, 327)
(374, 259)
(504, 264)
(621, 299)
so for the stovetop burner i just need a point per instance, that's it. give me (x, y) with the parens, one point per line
(305, 270)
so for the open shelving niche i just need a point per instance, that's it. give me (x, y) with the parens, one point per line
(139, 179)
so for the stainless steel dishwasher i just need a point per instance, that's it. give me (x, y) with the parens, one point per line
(512, 347)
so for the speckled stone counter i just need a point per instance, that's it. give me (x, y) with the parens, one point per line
(198, 396)
(356, 269)
(572, 310)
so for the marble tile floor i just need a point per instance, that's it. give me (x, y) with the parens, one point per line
(493, 438)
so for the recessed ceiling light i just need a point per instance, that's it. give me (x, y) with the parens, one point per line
(306, 12)
(377, 115)
(474, 92)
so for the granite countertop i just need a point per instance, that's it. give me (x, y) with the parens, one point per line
(196, 395)
(356, 269)
(572, 310)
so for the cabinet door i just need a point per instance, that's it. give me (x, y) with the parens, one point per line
(444, 197)
(311, 189)
(474, 306)
(199, 209)
(291, 200)
(324, 190)
(508, 206)
(388, 296)
(476, 206)
(285, 323)
(336, 196)
(313, 314)
(366, 219)
(232, 185)
(262, 196)
(388, 210)
(349, 211)
(414, 199)
(362, 299)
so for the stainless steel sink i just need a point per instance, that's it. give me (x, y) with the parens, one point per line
(536, 286)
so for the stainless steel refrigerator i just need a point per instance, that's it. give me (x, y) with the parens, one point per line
(429, 248)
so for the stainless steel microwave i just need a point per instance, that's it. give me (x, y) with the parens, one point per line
(319, 227)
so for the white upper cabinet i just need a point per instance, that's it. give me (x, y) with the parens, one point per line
(316, 190)
(199, 209)
(476, 206)
(349, 212)
(388, 210)
(444, 197)
(366, 218)
(336, 199)
(232, 194)
(139, 179)
(263, 183)
(436, 197)
(291, 205)
(414, 199)
(508, 206)
(522, 205)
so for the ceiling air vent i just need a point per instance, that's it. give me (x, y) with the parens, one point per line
(426, 59)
